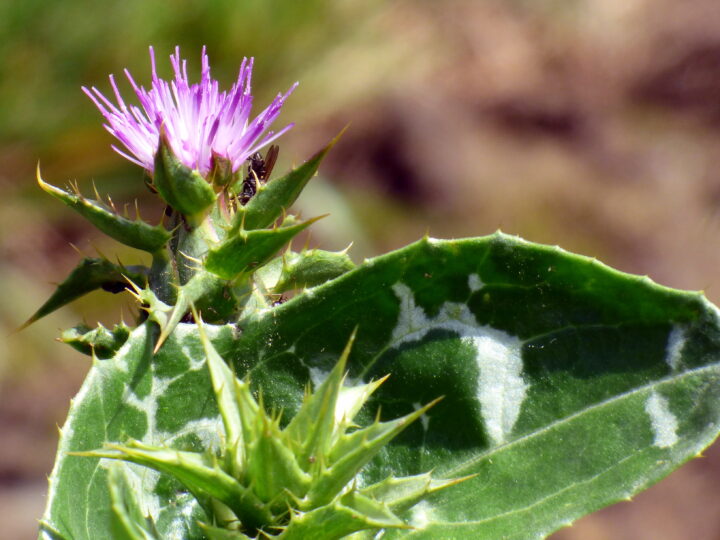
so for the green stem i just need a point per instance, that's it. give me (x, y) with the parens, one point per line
(193, 244)
(163, 276)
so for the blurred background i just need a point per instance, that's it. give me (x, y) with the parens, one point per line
(594, 125)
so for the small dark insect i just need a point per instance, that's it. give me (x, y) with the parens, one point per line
(188, 318)
(114, 287)
(279, 301)
(258, 172)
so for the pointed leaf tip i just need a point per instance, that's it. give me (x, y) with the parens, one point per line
(351, 453)
(269, 203)
(134, 233)
(91, 274)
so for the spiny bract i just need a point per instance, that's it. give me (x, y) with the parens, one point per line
(293, 482)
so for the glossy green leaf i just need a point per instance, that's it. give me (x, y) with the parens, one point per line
(89, 275)
(134, 233)
(568, 385)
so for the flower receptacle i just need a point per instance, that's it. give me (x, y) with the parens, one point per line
(184, 189)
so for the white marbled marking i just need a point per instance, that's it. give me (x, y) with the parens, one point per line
(318, 376)
(136, 339)
(424, 420)
(196, 362)
(475, 283)
(177, 530)
(420, 515)
(208, 430)
(664, 424)
(148, 406)
(501, 388)
(674, 347)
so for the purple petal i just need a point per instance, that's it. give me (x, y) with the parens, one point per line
(198, 119)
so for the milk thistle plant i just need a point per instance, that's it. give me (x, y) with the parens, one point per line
(479, 388)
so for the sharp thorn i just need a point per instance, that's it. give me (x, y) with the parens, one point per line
(97, 195)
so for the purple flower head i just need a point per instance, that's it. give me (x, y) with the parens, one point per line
(197, 119)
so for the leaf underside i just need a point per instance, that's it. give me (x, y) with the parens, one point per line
(567, 386)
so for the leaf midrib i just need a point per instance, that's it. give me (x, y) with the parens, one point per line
(459, 469)
(459, 524)
(574, 485)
